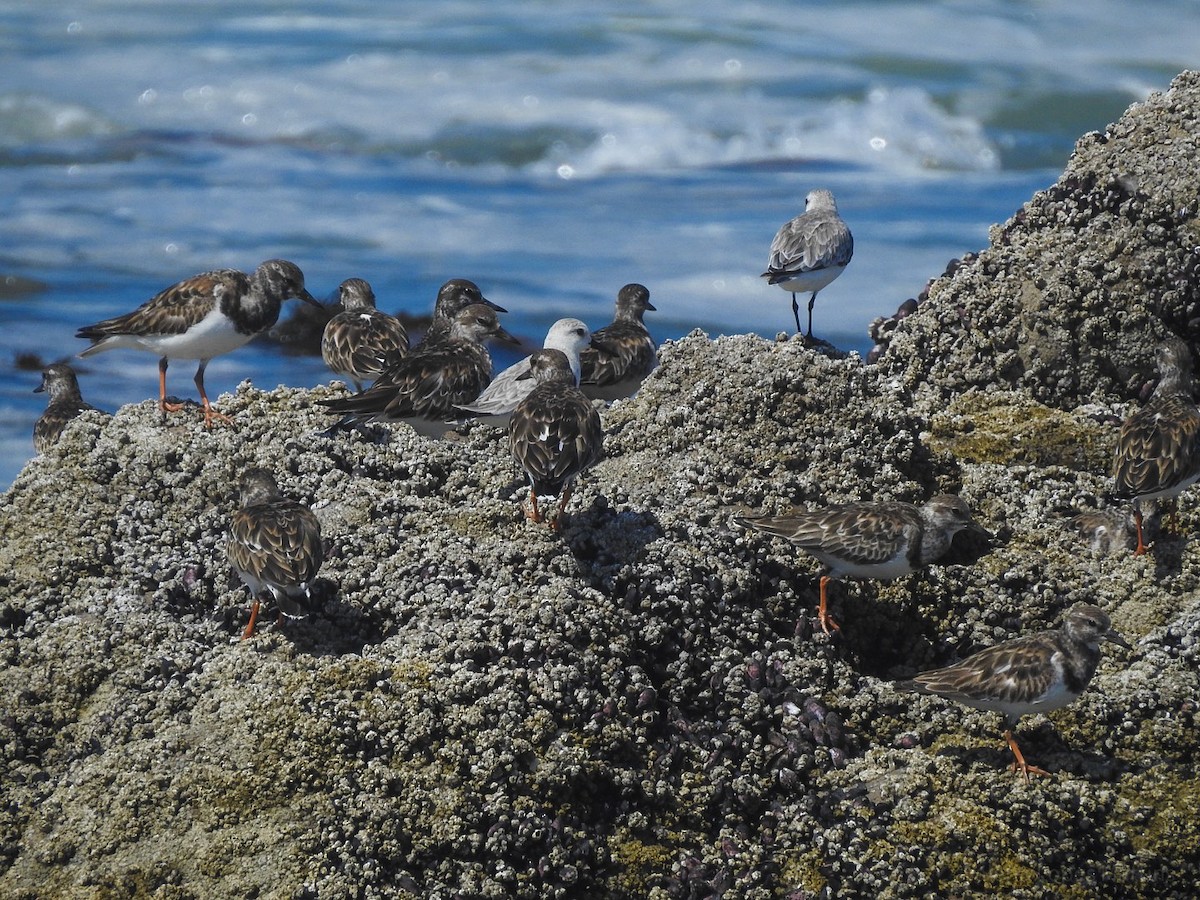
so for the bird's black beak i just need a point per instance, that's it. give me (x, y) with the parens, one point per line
(309, 299)
(502, 335)
(978, 529)
(1117, 639)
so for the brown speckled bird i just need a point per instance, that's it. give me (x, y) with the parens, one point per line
(274, 546)
(453, 297)
(429, 384)
(1037, 673)
(870, 539)
(59, 381)
(555, 433)
(201, 317)
(1158, 449)
(622, 354)
(361, 341)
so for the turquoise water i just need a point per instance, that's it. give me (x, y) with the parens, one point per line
(548, 153)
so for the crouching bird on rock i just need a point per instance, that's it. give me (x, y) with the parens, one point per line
(274, 546)
(555, 433)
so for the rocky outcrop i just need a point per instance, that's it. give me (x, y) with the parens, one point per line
(636, 706)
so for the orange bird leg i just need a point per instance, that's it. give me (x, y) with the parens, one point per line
(210, 414)
(249, 632)
(563, 500)
(533, 514)
(163, 405)
(827, 621)
(1019, 764)
(1137, 520)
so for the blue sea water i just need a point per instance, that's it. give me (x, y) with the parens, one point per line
(551, 152)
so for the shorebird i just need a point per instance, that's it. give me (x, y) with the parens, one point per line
(810, 251)
(201, 317)
(870, 539)
(361, 341)
(621, 354)
(1032, 674)
(59, 381)
(1158, 449)
(274, 546)
(554, 433)
(425, 387)
(510, 387)
(453, 297)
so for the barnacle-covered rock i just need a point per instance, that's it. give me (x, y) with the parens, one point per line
(638, 705)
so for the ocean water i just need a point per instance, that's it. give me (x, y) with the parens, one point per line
(550, 152)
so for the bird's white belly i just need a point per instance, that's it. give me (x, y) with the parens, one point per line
(1055, 697)
(888, 570)
(811, 281)
(211, 336)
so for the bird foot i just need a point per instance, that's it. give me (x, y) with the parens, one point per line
(828, 623)
(211, 417)
(1026, 770)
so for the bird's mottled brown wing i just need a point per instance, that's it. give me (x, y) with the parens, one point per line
(279, 543)
(861, 534)
(49, 426)
(618, 351)
(1013, 672)
(555, 433)
(362, 343)
(1158, 447)
(425, 385)
(175, 309)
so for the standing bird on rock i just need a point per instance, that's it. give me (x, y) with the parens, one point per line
(810, 251)
(495, 405)
(425, 388)
(1032, 674)
(621, 354)
(453, 297)
(555, 433)
(361, 341)
(274, 546)
(201, 317)
(1158, 449)
(59, 381)
(870, 539)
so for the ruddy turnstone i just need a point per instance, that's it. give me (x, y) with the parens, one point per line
(622, 354)
(1032, 674)
(453, 297)
(59, 381)
(554, 433)
(810, 251)
(1158, 449)
(199, 318)
(426, 386)
(510, 387)
(1108, 530)
(274, 545)
(870, 540)
(361, 341)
